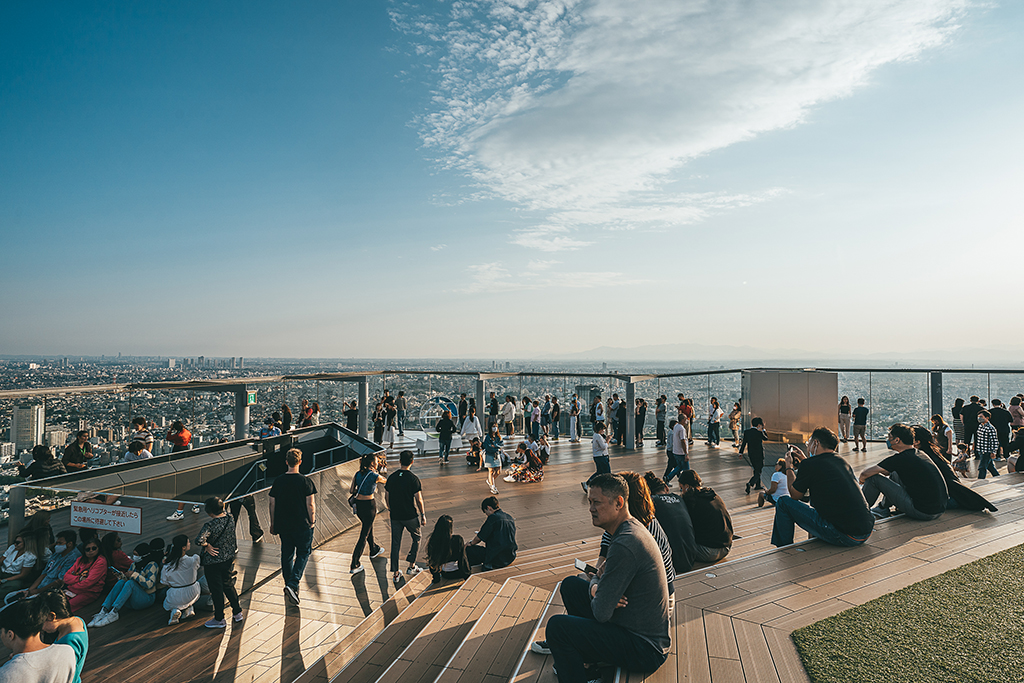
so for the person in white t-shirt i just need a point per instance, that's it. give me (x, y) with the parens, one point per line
(33, 660)
(779, 487)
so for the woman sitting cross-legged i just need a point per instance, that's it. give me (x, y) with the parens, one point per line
(531, 470)
(180, 574)
(135, 588)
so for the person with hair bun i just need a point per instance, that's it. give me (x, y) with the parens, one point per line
(180, 573)
(219, 545)
(712, 525)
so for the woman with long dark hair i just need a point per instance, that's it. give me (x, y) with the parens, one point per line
(444, 558)
(960, 496)
(958, 422)
(83, 583)
(845, 411)
(286, 418)
(364, 487)
(180, 574)
(117, 560)
(945, 439)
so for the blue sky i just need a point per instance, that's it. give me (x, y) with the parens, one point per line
(508, 178)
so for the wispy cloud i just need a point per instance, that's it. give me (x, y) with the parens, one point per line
(438, 247)
(586, 112)
(496, 277)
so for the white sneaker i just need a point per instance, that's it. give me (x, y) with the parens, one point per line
(196, 509)
(380, 551)
(413, 570)
(178, 514)
(510, 478)
(109, 619)
(100, 616)
(175, 617)
(494, 489)
(189, 612)
(356, 570)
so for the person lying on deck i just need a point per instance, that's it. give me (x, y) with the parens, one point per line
(838, 513)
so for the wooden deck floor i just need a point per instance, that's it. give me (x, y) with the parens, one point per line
(732, 620)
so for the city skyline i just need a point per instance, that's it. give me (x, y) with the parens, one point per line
(401, 180)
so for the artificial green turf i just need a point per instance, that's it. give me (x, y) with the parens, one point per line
(963, 626)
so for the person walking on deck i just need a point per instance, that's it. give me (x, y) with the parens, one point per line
(292, 517)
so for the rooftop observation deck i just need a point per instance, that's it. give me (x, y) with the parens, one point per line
(732, 620)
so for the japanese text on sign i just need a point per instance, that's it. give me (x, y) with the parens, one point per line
(113, 517)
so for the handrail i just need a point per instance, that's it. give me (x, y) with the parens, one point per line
(256, 464)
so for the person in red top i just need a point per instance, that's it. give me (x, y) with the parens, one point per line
(179, 436)
(83, 583)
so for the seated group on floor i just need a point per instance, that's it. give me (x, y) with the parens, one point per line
(916, 481)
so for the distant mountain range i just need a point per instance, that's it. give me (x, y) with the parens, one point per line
(1002, 355)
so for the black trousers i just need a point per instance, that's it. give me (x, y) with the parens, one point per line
(758, 466)
(249, 503)
(366, 511)
(220, 578)
(661, 431)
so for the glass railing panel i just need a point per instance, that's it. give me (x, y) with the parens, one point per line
(897, 397)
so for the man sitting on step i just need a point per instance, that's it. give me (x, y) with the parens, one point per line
(498, 536)
(907, 479)
(620, 616)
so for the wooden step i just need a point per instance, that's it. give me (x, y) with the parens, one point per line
(493, 647)
(426, 655)
(342, 652)
(532, 667)
(378, 654)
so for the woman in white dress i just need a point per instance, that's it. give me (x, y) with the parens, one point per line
(181, 576)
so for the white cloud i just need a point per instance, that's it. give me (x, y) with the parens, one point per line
(585, 112)
(496, 277)
(438, 247)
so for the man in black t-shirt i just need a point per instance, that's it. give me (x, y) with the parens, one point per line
(909, 480)
(674, 517)
(969, 416)
(838, 513)
(753, 442)
(292, 517)
(498, 534)
(403, 494)
(1000, 418)
(860, 426)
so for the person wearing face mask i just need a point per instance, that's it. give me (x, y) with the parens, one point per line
(135, 588)
(838, 513)
(909, 480)
(64, 555)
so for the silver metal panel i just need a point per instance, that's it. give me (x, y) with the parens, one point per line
(791, 401)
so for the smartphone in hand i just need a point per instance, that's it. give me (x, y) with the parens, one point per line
(584, 567)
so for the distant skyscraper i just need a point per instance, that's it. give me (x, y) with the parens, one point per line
(604, 367)
(57, 438)
(7, 449)
(241, 363)
(81, 425)
(170, 362)
(202, 361)
(27, 426)
(234, 362)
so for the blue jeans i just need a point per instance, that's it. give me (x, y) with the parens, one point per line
(130, 593)
(789, 512)
(986, 466)
(714, 433)
(401, 422)
(577, 638)
(536, 430)
(677, 465)
(298, 545)
(444, 448)
(554, 429)
(603, 465)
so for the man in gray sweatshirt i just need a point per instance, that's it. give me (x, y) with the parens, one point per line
(620, 617)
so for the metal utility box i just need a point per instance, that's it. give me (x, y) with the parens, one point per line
(792, 403)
